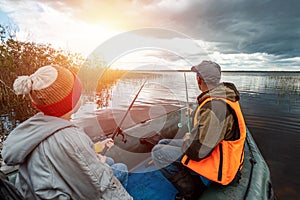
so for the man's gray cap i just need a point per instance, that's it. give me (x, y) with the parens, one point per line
(209, 71)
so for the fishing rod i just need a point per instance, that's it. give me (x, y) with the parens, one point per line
(188, 108)
(118, 130)
(187, 101)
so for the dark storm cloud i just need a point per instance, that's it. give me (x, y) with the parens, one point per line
(245, 26)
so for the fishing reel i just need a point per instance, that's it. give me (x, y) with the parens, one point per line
(118, 131)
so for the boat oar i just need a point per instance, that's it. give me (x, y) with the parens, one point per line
(187, 101)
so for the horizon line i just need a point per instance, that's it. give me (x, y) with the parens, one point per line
(184, 70)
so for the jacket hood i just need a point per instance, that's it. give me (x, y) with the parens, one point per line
(28, 135)
(223, 90)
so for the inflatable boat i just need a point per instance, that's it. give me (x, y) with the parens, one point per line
(141, 131)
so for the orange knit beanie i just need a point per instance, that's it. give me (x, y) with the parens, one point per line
(54, 90)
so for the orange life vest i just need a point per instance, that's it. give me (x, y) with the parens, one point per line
(227, 157)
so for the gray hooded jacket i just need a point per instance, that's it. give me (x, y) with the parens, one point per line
(57, 161)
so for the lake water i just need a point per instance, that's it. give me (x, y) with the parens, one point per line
(270, 103)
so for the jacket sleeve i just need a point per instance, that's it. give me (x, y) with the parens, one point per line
(78, 163)
(211, 128)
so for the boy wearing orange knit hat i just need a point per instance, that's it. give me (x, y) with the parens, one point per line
(56, 158)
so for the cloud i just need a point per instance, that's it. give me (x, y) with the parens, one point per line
(240, 25)
(245, 29)
(237, 25)
(41, 22)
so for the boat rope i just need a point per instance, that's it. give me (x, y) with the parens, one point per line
(253, 162)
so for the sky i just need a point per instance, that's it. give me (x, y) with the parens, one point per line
(165, 34)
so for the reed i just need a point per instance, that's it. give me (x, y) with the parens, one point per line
(105, 84)
(284, 84)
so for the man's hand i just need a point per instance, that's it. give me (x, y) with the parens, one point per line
(188, 111)
(187, 136)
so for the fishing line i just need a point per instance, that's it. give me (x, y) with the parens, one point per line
(187, 102)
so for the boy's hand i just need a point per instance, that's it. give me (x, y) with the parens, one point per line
(108, 143)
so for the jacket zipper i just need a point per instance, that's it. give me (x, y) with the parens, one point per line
(221, 163)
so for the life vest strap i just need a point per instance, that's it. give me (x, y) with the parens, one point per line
(187, 160)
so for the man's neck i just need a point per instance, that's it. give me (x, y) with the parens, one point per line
(205, 88)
